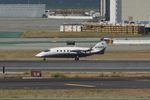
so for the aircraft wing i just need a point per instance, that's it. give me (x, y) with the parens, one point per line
(78, 51)
(81, 51)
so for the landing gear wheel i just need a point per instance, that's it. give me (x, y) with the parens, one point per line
(76, 58)
(44, 59)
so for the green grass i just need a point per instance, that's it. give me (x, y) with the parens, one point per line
(10, 34)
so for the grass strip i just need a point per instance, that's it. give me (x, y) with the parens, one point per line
(53, 74)
(82, 93)
(42, 34)
(10, 34)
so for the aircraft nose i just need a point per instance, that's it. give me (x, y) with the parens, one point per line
(39, 55)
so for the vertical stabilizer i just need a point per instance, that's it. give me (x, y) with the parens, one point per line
(99, 47)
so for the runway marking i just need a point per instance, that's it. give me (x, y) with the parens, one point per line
(80, 85)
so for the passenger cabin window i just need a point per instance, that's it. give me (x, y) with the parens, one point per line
(60, 50)
(46, 50)
(67, 50)
(57, 51)
(64, 50)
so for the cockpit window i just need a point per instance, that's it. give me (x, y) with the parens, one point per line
(46, 50)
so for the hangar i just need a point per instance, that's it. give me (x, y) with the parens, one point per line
(22, 10)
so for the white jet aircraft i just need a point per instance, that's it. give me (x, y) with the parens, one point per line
(73, 52)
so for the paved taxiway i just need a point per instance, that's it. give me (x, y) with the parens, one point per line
(77, 83)
(75, 66)
(10, 44)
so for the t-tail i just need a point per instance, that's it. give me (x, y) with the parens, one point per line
(99, 48)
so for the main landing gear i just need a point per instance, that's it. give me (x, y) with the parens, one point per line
(44, 59)
(76, 58)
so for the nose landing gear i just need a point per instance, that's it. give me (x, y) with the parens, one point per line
(76, 58)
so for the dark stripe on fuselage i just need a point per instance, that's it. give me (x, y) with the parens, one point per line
(66, 55)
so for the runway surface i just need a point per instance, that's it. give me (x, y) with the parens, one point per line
(75, 66)
(77, 83)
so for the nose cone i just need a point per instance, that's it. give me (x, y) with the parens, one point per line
(39, 55)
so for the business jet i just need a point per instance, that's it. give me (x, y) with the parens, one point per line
(73, 52)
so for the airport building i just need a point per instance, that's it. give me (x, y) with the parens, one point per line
(22, 10)
(136, 10)
(115, 11)
(125, 10)
(111, 10)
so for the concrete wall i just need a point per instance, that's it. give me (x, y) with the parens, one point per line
(138, 9)
(22, 10)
